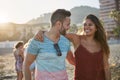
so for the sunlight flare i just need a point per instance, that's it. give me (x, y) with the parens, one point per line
(4, 18)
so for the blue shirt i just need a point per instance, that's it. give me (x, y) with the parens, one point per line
(49, 66)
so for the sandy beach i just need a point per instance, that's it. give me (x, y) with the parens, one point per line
(7, 65)
(7, 68)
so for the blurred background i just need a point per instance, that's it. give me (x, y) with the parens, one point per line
(21, 19)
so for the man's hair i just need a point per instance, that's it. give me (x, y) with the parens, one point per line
(59, 15)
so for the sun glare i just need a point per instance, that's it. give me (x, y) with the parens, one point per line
(3, 19)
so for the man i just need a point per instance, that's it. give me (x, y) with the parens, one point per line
(50, 54)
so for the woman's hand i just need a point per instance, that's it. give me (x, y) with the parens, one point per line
(39, 36)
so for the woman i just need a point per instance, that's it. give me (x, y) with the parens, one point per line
(19, 57)
(91, 51)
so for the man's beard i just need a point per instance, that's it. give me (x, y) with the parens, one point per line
(62, 31)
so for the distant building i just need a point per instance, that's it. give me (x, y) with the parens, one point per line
(106, 6)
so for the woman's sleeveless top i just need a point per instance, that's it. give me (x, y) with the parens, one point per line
(89, 66)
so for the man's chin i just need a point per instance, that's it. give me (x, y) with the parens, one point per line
(63, 33)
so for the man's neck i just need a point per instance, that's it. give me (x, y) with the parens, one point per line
(53, 35)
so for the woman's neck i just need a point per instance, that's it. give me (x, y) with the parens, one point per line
(89, 38)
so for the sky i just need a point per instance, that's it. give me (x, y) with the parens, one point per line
(21, 11)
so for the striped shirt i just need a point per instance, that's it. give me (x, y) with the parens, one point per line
(49, 66)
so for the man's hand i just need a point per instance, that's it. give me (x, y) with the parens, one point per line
(39, 36)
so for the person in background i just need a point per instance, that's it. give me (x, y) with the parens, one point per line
(19, 57)
(50, 55)
(91, 51)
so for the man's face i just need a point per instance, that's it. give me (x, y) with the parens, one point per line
(65, 26)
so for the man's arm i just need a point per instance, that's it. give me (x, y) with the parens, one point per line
(28, 61)
(32, 52)
(70, 58)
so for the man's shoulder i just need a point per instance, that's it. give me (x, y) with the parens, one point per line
(33, 42)
(64, 38)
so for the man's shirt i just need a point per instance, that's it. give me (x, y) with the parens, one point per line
(49, 66)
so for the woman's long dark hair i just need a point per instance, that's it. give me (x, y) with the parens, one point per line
(100, 35)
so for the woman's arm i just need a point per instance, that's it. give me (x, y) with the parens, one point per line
(70, 58)
(21, 53)
(39, 36)
(70, 36)
(74, 38)
(14, 52)
(106, 68)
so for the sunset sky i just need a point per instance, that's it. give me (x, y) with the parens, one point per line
(21, 11)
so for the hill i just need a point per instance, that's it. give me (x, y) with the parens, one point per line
(78, 13)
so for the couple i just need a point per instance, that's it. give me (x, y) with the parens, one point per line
(90, 57)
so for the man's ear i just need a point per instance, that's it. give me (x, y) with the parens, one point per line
(58, 24)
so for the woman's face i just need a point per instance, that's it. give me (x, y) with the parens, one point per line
(21, 47)
(89, 27)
